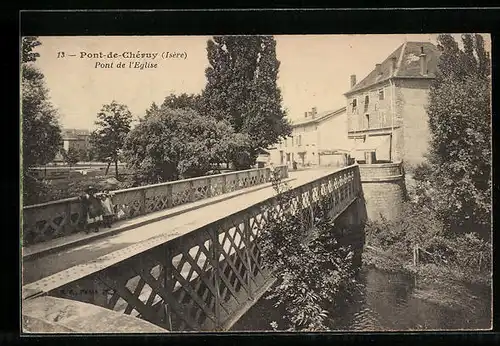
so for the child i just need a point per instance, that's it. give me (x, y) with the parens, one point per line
(93, 210)
(107, 207)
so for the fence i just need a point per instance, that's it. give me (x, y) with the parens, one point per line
(201, 280)
(42, 222)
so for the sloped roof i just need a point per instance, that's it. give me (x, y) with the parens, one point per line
(75, 132)
(408, 64)
(319, 117)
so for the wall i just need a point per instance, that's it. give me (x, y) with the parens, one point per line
(311, 138)
(304, 138)
(410, 128)
(383, 189)
(332, 133)
(379, 110)
(413, 100)
(308, 144)
(383, 118)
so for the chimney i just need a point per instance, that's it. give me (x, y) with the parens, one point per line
(305, 113)
(393, 65)
(378, 69)
(353, 80)
(314, 110)
(423, 62)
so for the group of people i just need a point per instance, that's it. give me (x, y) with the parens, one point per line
(98, 209)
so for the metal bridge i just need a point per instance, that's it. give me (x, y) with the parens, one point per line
(186, 256)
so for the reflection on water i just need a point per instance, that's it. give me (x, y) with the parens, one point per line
(390, 301)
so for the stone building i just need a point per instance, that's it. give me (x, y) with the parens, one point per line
(386, 111)
(73, 138)
(317, 139)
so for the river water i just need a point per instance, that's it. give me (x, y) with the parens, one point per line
(388, 301)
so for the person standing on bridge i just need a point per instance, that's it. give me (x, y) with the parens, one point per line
(93, 212)
(107, 207)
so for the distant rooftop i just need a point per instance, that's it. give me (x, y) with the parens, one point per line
(74, 133)
(314, 117)
(407, 58)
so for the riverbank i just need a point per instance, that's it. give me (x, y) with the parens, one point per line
(389, 301)
(447, 286)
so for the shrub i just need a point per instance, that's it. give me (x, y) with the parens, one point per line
(464, 254)
(311, 266)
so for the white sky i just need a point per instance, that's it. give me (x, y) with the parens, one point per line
(314, 71)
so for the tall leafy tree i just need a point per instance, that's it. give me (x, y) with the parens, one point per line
(184, 100)
(170, 144)
(242, 89)
(113, 123)
(41, 134)
(71, 156)
(460, 125)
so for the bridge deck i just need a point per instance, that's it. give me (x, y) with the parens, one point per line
(44, 266)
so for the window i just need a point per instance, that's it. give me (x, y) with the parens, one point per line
(381, 94)
(300, 140)
(367, 118)
(367, 102)
(354, 106)
(292, 141)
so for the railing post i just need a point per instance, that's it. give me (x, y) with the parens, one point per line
(246, 233)
(249, 177)
(67, 220)
(191, 191)
(170, 196)
(217, 279)
(168, 283)
(143, 202)
(224, 183)
(209, 187)
(357, 178)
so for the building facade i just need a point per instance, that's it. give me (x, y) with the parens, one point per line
(73, 138)
(317, 139)
(76, 139)
(386, 111)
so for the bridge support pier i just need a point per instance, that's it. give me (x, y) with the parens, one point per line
(384, 189)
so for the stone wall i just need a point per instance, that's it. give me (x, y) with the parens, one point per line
(379, 110)
(412, 100)
(57, 315)
(379, 171)
(383, 189)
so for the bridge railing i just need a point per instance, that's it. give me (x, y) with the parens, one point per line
(42, 222)
(200, 280)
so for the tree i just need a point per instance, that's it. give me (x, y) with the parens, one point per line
(71, 157)
(183, 101)
(41, 134)
(459, 112)
(312, 268)
(170, 144)
(29, 43)
(113, 123)
(242, 89)
(83, 154)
